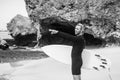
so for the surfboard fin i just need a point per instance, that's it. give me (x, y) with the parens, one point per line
(96, 68)
(102, 66)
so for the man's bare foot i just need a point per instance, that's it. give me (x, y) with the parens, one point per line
(76, 77)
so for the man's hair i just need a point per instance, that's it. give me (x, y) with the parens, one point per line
(81, 25)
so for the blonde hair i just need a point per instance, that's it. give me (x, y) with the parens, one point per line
(81, 25)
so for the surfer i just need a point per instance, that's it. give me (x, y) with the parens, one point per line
(78, 46)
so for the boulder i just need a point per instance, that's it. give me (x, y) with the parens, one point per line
(20, 25)
(21, 30)
(3, 44)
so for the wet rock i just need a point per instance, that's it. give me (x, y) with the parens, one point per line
(3, 44)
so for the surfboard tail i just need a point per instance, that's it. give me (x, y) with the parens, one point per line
(95, 61)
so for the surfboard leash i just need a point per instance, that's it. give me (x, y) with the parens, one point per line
(109, 75)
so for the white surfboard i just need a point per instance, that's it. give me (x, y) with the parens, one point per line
(91, 59)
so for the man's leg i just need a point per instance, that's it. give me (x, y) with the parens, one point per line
(76, 68)
(76, 61)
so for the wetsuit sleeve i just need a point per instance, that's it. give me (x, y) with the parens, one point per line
(68, 36)
(45, 33)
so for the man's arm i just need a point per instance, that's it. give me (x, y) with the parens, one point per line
(68, 36)
(63, 35)
(45, 33)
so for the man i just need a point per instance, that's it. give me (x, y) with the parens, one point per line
(78, 46)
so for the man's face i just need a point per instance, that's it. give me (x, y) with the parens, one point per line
(78, 29)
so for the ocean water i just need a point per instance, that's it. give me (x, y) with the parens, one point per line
(5, 35)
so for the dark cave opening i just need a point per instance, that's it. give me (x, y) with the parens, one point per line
(92, 41)
(68, 27)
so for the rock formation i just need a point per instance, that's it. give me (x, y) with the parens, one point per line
(3, 44)
(102, 15)
(21, 30)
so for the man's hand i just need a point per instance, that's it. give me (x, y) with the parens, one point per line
(53, 31)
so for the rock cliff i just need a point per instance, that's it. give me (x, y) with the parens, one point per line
(102, 17)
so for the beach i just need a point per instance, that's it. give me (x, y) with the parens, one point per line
(50, 69)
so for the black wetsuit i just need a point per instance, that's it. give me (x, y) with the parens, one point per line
(78, 46)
